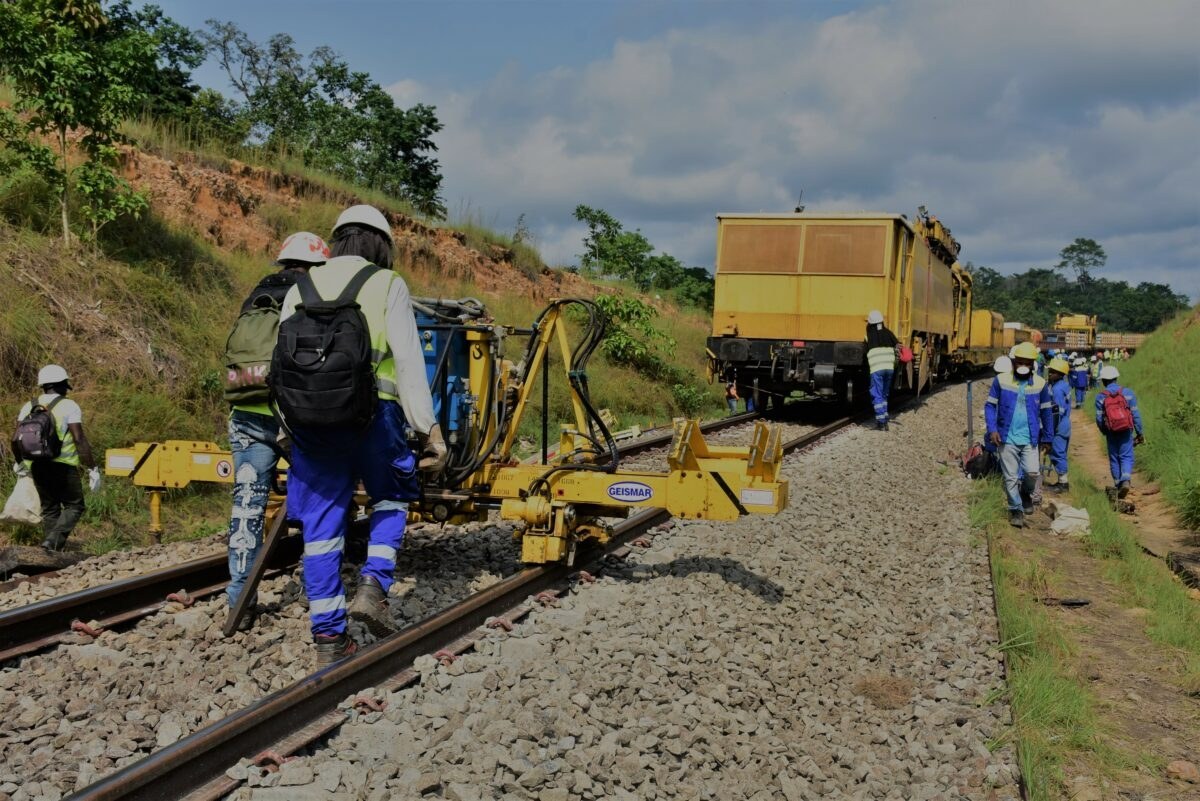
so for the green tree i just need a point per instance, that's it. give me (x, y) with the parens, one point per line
(1082, 257)
(333, 118)
(169, 90)
(76, 75)
(611, 250)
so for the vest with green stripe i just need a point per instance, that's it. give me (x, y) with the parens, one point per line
(880, 359)
(331, 278)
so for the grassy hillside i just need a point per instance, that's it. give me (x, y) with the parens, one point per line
(140, 321)
(1165, 374)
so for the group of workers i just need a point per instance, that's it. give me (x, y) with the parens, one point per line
(325, 463)
(1029, 416)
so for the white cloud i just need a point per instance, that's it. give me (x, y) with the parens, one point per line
(1022, 124)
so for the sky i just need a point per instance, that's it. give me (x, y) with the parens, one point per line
(1021, 124)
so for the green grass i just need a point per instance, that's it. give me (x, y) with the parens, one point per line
(1165, 374)
(1053, 714)
(1173, 617)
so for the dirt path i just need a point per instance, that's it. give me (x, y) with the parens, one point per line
(1142, 710)
(1156, 526)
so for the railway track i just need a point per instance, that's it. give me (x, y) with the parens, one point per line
(31, 628)
(294, 717)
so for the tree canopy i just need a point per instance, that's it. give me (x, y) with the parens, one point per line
(608, 249)
(1036, 296)
(331, 117)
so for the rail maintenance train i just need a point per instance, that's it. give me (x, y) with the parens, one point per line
(793, 292)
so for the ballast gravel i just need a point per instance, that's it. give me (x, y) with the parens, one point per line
(84, 709)
(843, 649)
(109, 567)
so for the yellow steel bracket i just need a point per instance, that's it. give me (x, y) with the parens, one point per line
(704, 482)
(174, 464)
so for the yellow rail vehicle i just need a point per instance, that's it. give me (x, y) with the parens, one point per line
(793, 292)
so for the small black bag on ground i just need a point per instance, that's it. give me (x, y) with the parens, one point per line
(322, 375)
(36, 437)
(978, 462)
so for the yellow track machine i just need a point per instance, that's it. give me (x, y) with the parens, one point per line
(480, 398)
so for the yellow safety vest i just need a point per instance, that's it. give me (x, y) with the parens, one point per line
(330, 279)
(880, 359)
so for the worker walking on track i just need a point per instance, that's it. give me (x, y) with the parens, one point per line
(881, 361)
(343, 433)
(1120, 422)
(1080, 380)
(1020, 422)
(50, 444)
(253, 429)
(1060, 395)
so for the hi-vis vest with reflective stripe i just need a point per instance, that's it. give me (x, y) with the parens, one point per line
(69, 453)
(331, 278)
(881, 359)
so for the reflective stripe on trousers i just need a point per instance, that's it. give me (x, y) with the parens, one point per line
(325, 467)
(1120, 455)
(881, 385)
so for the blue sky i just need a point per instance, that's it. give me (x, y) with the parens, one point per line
(1022, 124)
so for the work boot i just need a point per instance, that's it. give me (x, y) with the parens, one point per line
(248, 620)
(333, 648)
(1029, 508)
(1016, 519)
(1123, 489)
(54, 542)
(370, 608)
(1059, 488)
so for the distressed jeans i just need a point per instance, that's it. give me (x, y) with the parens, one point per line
(253, 468)
(1022, 471)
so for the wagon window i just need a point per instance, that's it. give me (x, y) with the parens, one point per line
(845, 249)
(760, 249)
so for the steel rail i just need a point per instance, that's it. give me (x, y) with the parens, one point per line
(30, 628)
(194, 768)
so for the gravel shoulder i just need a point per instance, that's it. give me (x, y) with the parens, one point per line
(843, 649)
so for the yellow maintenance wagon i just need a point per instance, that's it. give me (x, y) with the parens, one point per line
(793, 292)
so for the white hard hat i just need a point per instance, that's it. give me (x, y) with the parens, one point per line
(1108, 373)
(1003, 365)
(51, 374)
(365, 215)
(305, 247)
(1012, 351)
(875, 317)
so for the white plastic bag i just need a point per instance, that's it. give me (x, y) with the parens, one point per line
(23, 506)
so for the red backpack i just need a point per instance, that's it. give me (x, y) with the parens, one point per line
(1117, 416)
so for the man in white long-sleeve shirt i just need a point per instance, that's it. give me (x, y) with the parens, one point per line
(326, 464)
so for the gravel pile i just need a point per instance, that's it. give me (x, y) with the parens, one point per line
(82, 710)
(109, 567)
(844, 649)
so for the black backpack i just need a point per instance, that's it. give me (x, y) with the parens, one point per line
(321, 374)
(36, 436)
(251, 343)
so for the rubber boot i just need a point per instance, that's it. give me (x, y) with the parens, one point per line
(54, 542)
(370, 608)
(333, 648)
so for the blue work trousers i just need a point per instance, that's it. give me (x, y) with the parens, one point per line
(253, 468)
(1058, 454)
(1080, 394)
(1022, 475)
(326, 466)
(881, 387)
(1120, 455)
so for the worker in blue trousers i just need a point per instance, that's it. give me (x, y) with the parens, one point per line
(1020, 423)
(327, 462)
(881, 361)
(1060, 396)
(1080, 380)
(1120, 422)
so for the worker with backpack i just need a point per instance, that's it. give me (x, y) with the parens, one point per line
(253, 430)
(1120, 422)
(348, 380)
(49, 442)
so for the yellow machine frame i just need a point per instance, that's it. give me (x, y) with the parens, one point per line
(562, 503)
